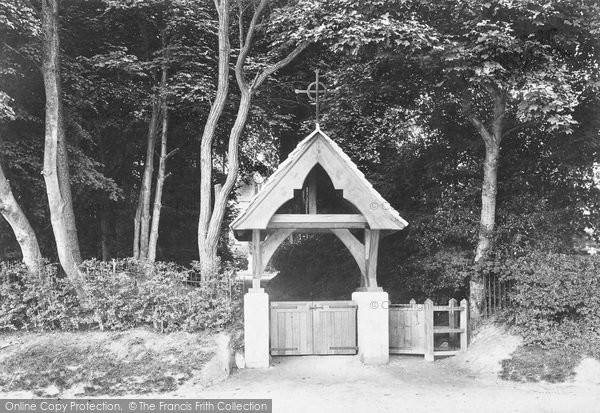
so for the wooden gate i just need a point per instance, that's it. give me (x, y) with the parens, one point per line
(407, 332)
(414, 328)
(313, 327)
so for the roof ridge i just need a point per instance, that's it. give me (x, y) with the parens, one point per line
(294, 155)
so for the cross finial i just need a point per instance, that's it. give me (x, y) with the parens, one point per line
(315, 91)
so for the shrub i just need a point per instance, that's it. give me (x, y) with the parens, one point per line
(555, 301)
(35, 302)
(123, 294)
(438, 276)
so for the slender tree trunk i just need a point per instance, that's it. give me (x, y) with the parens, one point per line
(142, 216)
(208, 246)
(12, 212)
(208, 250)
(65, 188)
(136, 228)
(56, 172)
(160, 177)
(489, 189)
(486, 224)
(160, 180)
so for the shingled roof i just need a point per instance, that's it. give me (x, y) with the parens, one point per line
(345, 175)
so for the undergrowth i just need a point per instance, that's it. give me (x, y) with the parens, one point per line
(534, 364)
(89, 364)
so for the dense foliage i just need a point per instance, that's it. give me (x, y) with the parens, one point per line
(555, 300)
(125, 294)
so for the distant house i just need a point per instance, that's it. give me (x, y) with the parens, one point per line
(244, 194)
(583, 242)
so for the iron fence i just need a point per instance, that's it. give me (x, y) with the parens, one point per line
(496, 294)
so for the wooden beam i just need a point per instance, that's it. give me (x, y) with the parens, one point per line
(312, 231)
(356, 248)
(270, 244)
(256, 258)
(371, 254)
(327, 221)
(312, 192)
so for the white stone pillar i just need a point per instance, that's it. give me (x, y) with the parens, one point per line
(372, 326)
(256, 328)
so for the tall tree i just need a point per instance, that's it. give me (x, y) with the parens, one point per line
(163, 157)
(142, 215)
(142, 218)
(513, 66)
(212, 213)
(56, 168)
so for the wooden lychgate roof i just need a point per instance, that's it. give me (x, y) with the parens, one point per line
(318, 148)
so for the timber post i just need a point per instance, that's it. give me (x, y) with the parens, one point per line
(464, 325)
(429, 337)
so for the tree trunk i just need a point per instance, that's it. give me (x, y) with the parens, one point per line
(142, 218)
(56, 172)
(160, 178)
(211, 216)
(208, 250)
(136, 229)
(64, 181)
(208, 245)
(12, 212)
(489, 190)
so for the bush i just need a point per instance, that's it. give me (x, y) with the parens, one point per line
(35, 302)
(555, 301)
(123, 294)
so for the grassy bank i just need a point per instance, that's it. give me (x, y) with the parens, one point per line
(136, 361)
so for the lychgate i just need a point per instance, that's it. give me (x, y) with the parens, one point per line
(318, 189)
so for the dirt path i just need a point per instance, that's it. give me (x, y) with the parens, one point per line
(466, 383)
(407, 384)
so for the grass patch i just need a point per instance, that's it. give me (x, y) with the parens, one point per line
(114, 364)
(534, 364)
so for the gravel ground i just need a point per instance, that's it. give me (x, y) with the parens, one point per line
(467, 383)
(407, 384)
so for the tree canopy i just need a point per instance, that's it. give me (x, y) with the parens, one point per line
(478, 120)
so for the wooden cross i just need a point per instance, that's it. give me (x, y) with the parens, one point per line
(315, 90)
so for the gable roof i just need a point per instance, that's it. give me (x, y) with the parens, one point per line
(344, 174)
